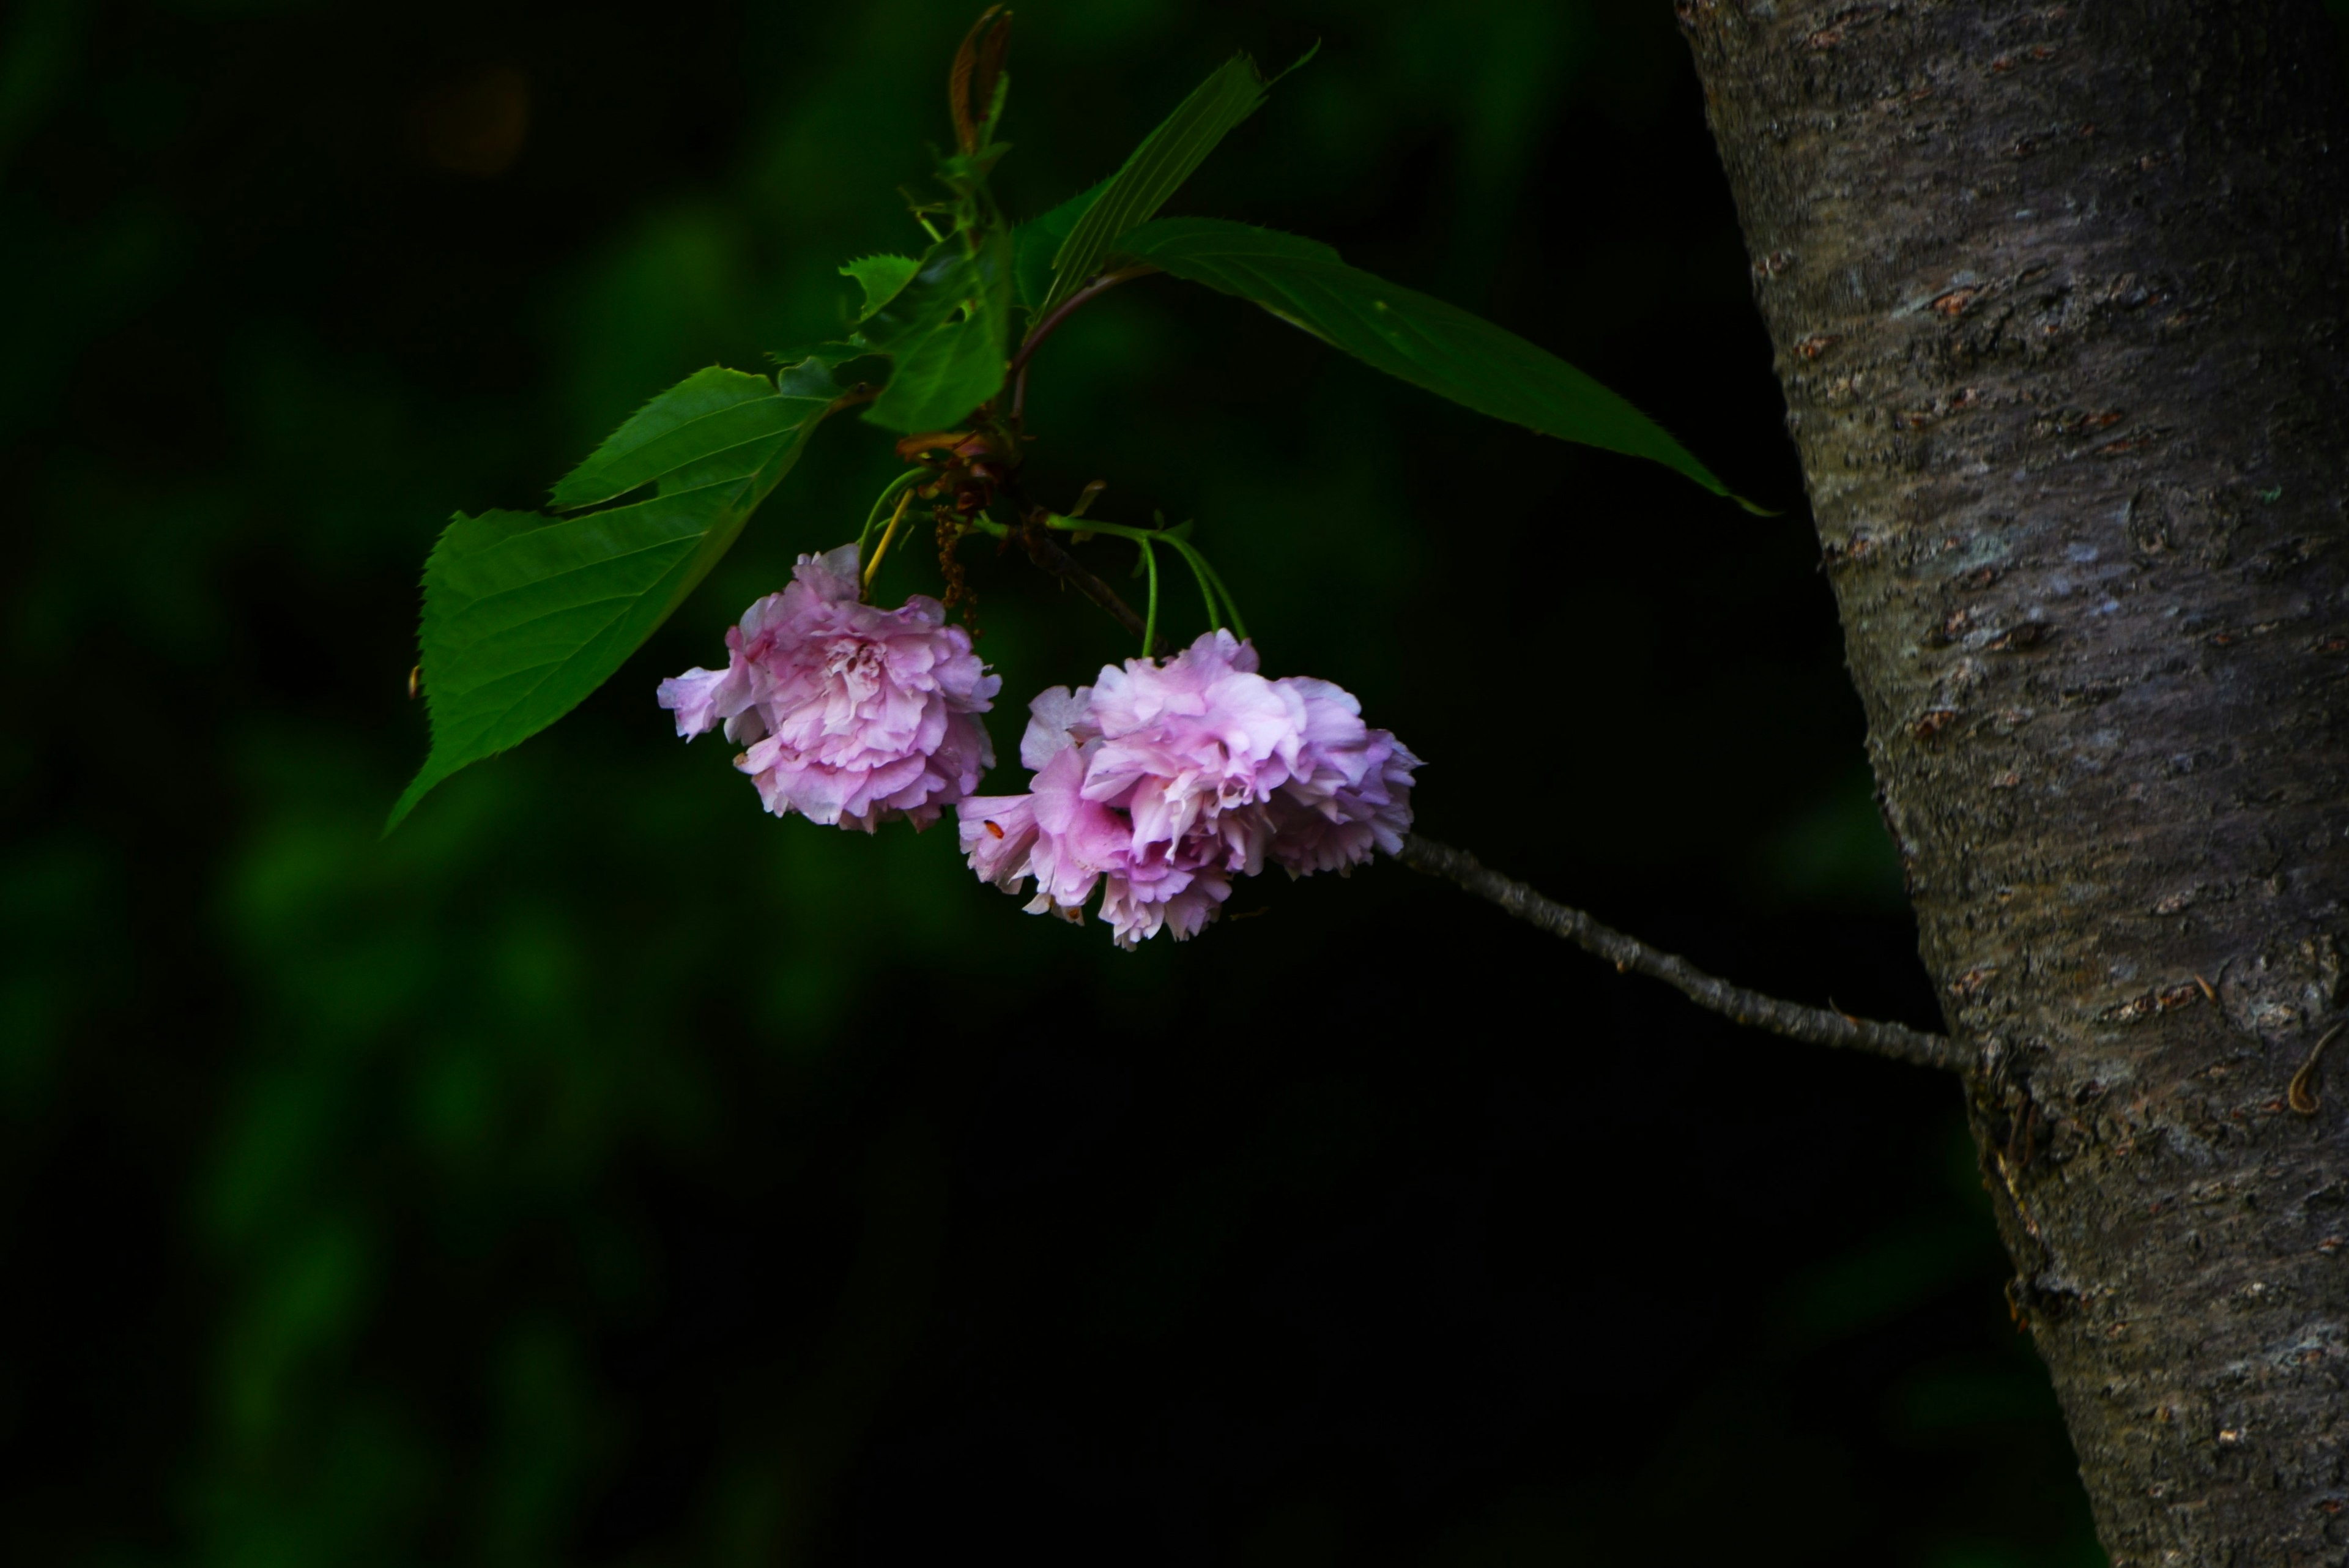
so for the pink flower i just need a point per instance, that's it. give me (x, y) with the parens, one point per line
(1160, 784)
(852, 715)
(1354, 797)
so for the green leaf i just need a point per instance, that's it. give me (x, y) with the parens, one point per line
(710, 411)
(1421, 340)
(1036, 242)
(524, 615)
(881, 277)
(1157, 168)
(945, 371)
(946, 333)
(947, 375)
(812, 371)
(948, 277)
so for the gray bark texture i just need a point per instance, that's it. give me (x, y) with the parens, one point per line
(2057, 295)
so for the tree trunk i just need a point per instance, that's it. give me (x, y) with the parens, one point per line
(2058, 293)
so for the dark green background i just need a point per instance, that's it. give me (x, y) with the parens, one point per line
(602, 1171)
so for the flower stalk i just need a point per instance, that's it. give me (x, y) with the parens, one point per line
(1221, 611)
(873, 564)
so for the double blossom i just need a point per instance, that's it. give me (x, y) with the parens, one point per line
(1155, 786)
(1159, 783)
(851, 715)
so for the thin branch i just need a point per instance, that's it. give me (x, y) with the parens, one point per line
(1018, 371)
(1046, 551)
(1818, 1025)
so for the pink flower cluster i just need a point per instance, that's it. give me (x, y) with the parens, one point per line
(852, 715)
(1165, 781)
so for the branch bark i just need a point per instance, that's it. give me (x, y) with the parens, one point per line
(1817, 1025)
(2058, 297)
(1054, 561)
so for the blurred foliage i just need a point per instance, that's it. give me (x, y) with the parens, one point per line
(601, 1171)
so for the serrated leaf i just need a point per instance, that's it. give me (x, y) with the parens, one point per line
(1408, 335)
(946, 335)
(1157, 168)
(710, 411)
(525, 614)
(946, 279)
(939, 380)
(739, 462)
(1035, 243)
(943, 373)
(881, 277)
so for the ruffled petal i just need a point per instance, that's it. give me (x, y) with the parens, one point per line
(853, 715)
(1161, 782)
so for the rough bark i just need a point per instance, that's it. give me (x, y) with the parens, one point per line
(2057, 296)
